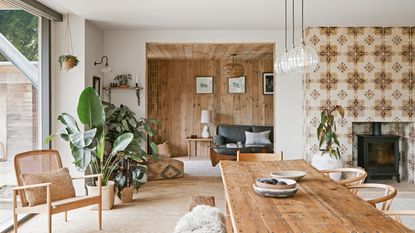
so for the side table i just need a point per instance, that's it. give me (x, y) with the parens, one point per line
(189, 141)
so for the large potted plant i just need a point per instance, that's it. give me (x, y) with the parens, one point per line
(88, 146)
(121, 120)
(328, 157)
(129, 178)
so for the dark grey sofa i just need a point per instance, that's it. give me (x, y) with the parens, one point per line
(232, 134)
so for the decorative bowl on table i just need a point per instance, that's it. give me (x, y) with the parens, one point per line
(275, 192)
(271, 183)
(294, 175)
(271, 187)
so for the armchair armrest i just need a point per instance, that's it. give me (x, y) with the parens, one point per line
(87, 176)
(31, 186)
(218, 140)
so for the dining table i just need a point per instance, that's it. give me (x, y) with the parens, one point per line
(320, 204)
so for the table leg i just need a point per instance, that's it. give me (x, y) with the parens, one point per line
(195, 148)
(188, 149)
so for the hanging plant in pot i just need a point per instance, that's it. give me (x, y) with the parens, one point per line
(67, 60)
(88, 147)
(329, 155)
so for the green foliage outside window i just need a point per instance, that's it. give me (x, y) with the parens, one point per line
(21, 29)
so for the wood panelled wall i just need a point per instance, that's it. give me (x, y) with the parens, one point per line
(172, 98)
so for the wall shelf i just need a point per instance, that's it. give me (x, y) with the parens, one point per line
(137, 91)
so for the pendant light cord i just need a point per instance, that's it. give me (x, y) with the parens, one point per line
(302, 22)
(293, 22)
(286, 27)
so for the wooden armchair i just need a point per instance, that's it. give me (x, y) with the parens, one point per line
(39, 161)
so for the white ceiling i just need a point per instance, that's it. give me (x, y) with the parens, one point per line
(235, 14)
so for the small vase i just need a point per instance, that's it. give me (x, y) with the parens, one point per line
(127, 194)
(324, 161)
(108, 195)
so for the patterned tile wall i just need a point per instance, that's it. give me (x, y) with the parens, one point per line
(370, 71)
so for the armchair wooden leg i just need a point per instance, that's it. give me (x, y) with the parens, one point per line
(66, 216)
(100, 215)
(14, 212)
(49, 213)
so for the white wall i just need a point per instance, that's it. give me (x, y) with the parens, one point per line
(88, 45)
(94, 50)
(67, 86)
(127, 53)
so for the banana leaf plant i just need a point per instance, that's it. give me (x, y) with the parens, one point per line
(326, 131)
(88, 146)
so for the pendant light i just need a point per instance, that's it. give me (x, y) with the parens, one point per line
(233, 69)
(280, 65)
(303, 58)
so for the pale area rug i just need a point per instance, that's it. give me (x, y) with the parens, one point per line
(156, 209)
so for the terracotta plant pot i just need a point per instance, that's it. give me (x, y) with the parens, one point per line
(127, 194)
(69, 63)
(108, 195)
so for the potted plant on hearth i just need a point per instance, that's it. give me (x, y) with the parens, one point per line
(131, 174)
(88, 147)
(123, 79)
(328, 157)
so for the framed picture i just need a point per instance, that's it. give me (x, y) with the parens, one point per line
(204, 85)
(268, 83)
(237, 85)
(96, 84)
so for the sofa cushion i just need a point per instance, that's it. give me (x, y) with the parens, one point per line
(257, 129)
(257, 138)
(61, 187)
(233, 133)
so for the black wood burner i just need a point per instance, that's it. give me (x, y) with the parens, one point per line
(378, 153)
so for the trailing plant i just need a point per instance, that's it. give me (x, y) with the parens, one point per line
(326, 131)
(88, 147)
(68, 61)
(129, 174)
(122, 120)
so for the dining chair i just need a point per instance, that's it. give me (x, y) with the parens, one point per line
(349, 175)
(397, 214)
(41, 161)
(259, 156)
(386, 200)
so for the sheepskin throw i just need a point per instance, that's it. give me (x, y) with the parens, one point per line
(202, 219)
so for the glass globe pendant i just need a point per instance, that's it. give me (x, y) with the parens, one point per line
(303, 58)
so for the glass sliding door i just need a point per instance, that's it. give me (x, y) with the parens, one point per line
(20, 96)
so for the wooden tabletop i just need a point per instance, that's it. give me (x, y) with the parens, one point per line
(320, 205)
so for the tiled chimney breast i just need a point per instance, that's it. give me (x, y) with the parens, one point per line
(370, 71)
